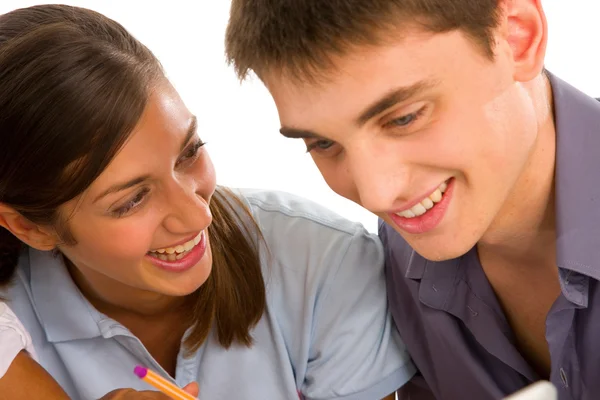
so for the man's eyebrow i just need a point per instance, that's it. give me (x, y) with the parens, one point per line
(388, 100)
(191, 131)
(299, 133)
(392, 98)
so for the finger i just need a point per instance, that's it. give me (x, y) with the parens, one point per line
(192, 388)
(119, 394)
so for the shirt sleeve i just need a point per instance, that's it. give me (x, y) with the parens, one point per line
(356, 352)
(13, 338)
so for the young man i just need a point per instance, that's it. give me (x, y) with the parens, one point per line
(437, 115)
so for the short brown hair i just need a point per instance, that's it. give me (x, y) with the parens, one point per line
(299, 37)
(73, 85)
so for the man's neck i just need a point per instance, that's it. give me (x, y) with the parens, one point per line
(524, 232)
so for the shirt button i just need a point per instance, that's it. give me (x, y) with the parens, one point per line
(563, 378)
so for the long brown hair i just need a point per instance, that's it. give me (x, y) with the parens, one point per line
(73, 85)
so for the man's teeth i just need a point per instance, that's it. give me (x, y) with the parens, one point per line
(426, 204)
(176, 252)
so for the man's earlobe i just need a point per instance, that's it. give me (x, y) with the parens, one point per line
(29, 233)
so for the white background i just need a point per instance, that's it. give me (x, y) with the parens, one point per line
(240, 122)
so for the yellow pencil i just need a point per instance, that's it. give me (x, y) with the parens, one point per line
(162, 384)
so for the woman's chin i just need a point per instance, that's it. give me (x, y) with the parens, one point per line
(188, 283)
(181, 280)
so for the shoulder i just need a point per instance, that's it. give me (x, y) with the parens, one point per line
(306, 235)
(311, 252)
(282, 207)
(16, 319)
(326, 286)
(13, 337)
(19, 298)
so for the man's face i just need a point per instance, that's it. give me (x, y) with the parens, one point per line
(427, 133)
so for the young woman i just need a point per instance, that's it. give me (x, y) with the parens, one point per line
(123, 250)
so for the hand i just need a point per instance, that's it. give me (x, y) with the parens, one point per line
(130, 394)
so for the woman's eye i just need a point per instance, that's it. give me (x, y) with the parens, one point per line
(132, 203)
(191, 153)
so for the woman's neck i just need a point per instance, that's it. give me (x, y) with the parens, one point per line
(158, 321)
(112, 297)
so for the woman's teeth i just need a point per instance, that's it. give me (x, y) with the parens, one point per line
(426, 204)
(176, 252)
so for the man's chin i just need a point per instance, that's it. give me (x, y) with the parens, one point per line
(439, 249)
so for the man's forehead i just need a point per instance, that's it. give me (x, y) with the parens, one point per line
(380, 68)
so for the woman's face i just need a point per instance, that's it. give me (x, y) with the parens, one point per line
(141, 227)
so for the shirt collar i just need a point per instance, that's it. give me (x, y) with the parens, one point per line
(63, 311)
(577, 121)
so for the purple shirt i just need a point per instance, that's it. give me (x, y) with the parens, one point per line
(449, 316)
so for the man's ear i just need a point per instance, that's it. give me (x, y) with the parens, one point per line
(526, 32)
(33, 235)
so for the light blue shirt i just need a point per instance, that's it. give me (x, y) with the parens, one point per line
(326, 332)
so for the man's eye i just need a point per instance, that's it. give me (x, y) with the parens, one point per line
(405, 120)
(322, 144)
